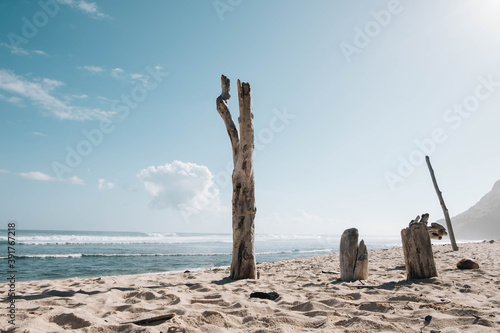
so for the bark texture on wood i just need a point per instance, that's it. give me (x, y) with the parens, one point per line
(243, 265)
(443, 206)
(353, 258)
(417, 249)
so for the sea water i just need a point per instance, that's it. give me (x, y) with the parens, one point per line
(65, 254)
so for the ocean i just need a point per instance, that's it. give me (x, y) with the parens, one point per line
(41, 255)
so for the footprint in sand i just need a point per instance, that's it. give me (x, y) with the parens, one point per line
(123, 307)
(69, 321)
(144, 295)
(199, 287)
(375, 307)
(171, 299)
(214, 318)
(218, 302)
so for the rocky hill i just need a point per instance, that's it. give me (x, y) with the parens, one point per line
(481, 221)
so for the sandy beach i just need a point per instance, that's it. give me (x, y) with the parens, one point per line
(311, 299)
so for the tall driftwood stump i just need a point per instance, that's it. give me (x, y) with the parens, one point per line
(353, 257)
(417, 249)
(243, 265)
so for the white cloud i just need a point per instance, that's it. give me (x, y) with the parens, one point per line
(118, 73)
(40, 176)
(144, 80)
(50, 84)
(136, 78)
(4, 171)
(15, 100)
(39, 92)
(20, 51)
(103, 185)
(74, 180)
(82, 96)
(40, 53)
(121, 74)
(93, 69)
(179, 185)
(36, 175)
(140, 78)
(88, 8)
(12, 99)
(38, 134)
(15, 50)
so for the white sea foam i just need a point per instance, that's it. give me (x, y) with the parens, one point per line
(46, 256)
(107, 239)
(81, 255)
(145, 238)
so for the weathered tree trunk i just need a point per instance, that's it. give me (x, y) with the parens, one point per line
(361, 267)
(443, 206)
(243, 265)
(353, 258)
(417, 249)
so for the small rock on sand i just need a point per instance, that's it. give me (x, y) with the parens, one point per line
(467, 264)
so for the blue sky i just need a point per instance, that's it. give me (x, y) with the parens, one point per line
(108, 118)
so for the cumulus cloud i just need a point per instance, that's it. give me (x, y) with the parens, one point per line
(89, 8)
(40, 176)
(103, 185)
(180, 185)
(39, 92)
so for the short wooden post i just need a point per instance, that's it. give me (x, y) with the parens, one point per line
(353, 258)
(417, 249)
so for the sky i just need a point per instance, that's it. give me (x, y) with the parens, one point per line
(108, 118)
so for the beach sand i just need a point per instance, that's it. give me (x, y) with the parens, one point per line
(311, 298)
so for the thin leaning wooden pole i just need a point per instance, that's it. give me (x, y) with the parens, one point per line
(443, 206)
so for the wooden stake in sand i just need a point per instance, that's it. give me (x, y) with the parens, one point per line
(417, 249)
(243, 264)
(443, 206)
(353, 258)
